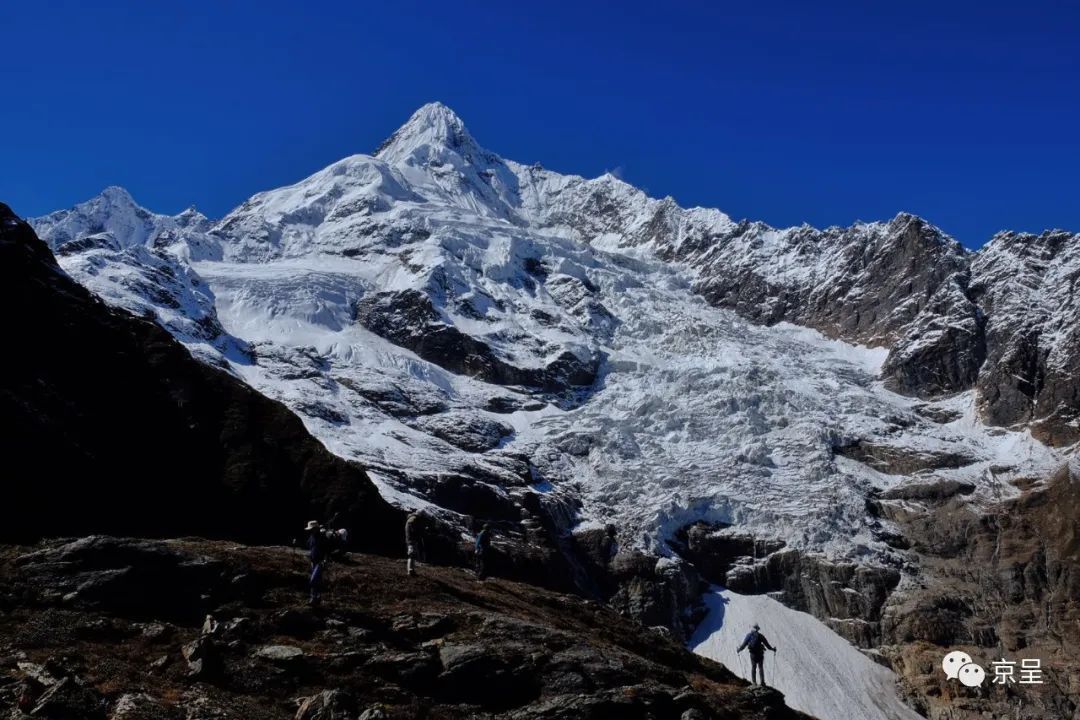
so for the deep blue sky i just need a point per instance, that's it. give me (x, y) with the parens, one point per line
(824, 112)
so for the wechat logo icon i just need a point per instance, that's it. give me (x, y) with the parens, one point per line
(959, 666)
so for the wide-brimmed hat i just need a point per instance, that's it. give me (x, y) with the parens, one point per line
(756, 626)
(312, 525)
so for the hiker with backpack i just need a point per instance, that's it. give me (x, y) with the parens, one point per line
(318, 550)
(483, 544)
(757, 644)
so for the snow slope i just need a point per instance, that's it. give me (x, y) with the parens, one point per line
(819, 672)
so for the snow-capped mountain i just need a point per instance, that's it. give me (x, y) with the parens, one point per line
(113, 220)
(451, 318)
(500, 340)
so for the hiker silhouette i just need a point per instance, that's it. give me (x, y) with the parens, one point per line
(756, 642)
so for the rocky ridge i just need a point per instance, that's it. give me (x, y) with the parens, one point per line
(114, 628)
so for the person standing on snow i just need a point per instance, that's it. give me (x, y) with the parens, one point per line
(757, 644)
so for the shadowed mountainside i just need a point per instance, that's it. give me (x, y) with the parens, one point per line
(118, 429)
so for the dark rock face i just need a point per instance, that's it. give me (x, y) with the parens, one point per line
(942, 349)
(900, 461)
(203, 658)
(467, 430)
(577, 297)
(327, 705)
(68, 700)
(408, 318)
(134, 577)
(120, 430)
(660, 594)
(103, 241)
(440, 645)
(931, 490)
(888, 278)
(393, 399)
(901, 285)
(656, 593)
(995, 582)
(1027, 285)
(715, 554)
(848, 597)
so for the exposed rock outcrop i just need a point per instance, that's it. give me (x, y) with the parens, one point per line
(999, 582)
(847, 596)
(467, 430)
(409, 319)
(657, 593)
(1028, 287)
(897, 460)
(878, 278)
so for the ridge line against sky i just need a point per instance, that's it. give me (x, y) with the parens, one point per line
(781, 112)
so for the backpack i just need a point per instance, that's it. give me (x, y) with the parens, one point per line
(753, 642)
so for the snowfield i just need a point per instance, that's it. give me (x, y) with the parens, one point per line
(819, 672)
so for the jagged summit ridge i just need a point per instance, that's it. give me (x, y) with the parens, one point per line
(117, 220)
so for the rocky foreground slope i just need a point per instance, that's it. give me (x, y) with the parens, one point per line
(112, 628)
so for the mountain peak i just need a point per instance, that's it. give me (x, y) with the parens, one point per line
(434, 125)
(117, 194)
